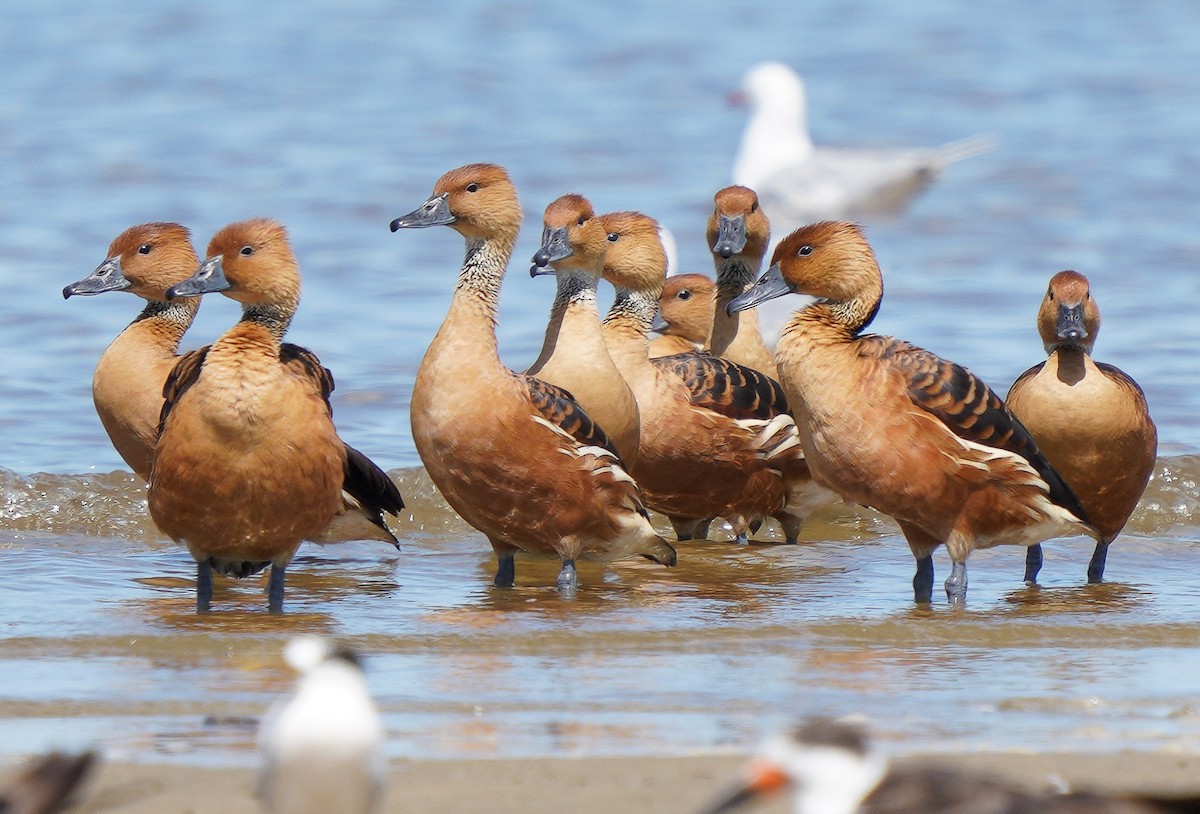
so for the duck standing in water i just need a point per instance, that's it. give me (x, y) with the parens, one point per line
(894, 427)
(1089, 419)
(127, 387)
(248, 463)
(514, 456)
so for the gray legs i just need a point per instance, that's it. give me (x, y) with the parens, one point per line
(1096, 566)
(923, 580)
(204, 586)
(1033, 563)
(506, 570)
(956, 583)
(568, 580)
(275, 589)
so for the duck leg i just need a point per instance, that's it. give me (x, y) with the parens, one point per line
(956, 584)
(923, 580)
(506, 570)
(568, 580)
(689, 528)
(204, 586)
(506, 565)
(1033, 563)
(922, 544)
(1096, 566)
(275, 589)
(791, 525)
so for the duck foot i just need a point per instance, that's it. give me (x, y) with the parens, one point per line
(1033, 563)
(275, 589)
(204, 586)
(923, 580)
(568, 580)
(506, 571)
(956, 584)
(1096, 566)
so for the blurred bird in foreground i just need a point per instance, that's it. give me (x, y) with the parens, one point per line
(49, 783)
(322, 749)
(833, 768)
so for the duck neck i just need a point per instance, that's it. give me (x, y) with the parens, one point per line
(482, 272)
(574, 313)
(274, 317)
(838, 320)
(734, 276)
(473, 309)
(167, 321)
(1070, 363)
(627, 326)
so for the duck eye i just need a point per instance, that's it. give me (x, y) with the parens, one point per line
(247, 251)
(472, 187)
(754, 206)
(582, 220)
(613, 237)
(144, 248)
(1050, 293)
(685, 295)
(805, 251)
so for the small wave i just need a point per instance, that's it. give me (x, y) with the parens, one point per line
(114, 504)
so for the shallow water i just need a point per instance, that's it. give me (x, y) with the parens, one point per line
(104, 644)
(337, 117)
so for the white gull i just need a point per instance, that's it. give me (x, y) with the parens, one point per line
(800, 183)
(322, 749)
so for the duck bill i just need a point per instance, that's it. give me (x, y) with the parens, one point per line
(731, 235)
(659, 325)
(768, 287)
(1069, 325)
(208, 279)
(434, 212)
(106, 277)
(555, 247)
(763, 778)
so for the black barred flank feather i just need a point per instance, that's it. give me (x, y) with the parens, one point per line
(559, 407)
(971, 410)
(725, 387)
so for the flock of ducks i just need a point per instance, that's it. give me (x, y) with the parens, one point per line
(237, 443)
(243, 461)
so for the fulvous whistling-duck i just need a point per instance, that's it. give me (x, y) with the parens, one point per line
(889, 425)
(1089, 419)
(248, 463)
(717, 439)
(573, 355)
(685, 315)
(738, 234)
(127, 387)
(515, 456)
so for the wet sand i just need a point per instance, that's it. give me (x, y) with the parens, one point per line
(603, 785)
